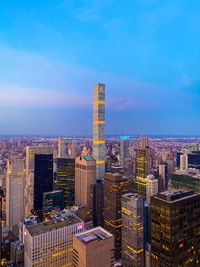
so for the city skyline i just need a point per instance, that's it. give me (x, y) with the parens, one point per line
(146, 53)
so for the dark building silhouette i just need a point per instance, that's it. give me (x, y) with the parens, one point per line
(52, 200)
(65, 179)
(97, 202)
(43, 180)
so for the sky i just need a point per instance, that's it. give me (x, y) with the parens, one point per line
(147, 52)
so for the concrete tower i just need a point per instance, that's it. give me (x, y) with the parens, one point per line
(61, 147)
(99, 129)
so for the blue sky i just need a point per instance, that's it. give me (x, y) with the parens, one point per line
(147, 52)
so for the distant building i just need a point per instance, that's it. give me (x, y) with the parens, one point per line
(145, 142)
(124, 149)
(65, 179)
(43, 180)
(183, 162)
(99, 129)
(50, 243)
(152, 187)
(52, 200)
(93, 248)
(193, 147)
(163, 177)
(194, 160)
(115, 185)
(143, 164)
(85, 174)
(189, 180)
(174, 228)
(15, 192)
(61, 148)
(132, 230)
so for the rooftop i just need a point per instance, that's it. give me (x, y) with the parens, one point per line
(58, 220)
(94, 235)
(88, 158)
(174, 194)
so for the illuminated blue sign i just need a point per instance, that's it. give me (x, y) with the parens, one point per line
(124, 137)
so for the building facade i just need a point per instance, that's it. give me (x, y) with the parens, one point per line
(132, 230)
(99, 129)
(175, 229)
(61, 148)
(93, 248)
(51, 201)
(65, 179)
(50, 243)
(152, 187)
(115, 185)
(43, 180)
(15, 191)
(124, 149)
(85, 174)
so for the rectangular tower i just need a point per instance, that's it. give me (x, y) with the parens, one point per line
(43, 180)
(115, 185)
(124, 149)
(133, 230)
(175, 229)
(61, 147)
(65, 179)
(15, 191)
(93, 248)
(85, 174)
(99, 129)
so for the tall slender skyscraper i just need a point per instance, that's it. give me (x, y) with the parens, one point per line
(99, 129)
(124, 149)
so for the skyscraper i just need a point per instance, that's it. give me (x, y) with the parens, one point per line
(99, 129)
(145, 142)
(85, 174)
(61, 148)
(93, 248)
(52, 200)
(65, 179)
(132, 230)
(163, 177)
(15, 191)
(183, 162)
(115, 185)
(124, 149)
(143, 161)
(175, 229)
(43, 180)
(31, 151)
(152, 187)
(97, 203)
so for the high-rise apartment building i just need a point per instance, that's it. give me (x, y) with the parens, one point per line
(43, 180)
(133, 230)
(31, 151)
(93, 248)
(143, 161)
(99, 129)
(152, 187)
(61, 147)
(15, 191)
(85, 174)
(65, 179)
(175, 229)
(115, 185)
(124, 149)
(50, 243)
